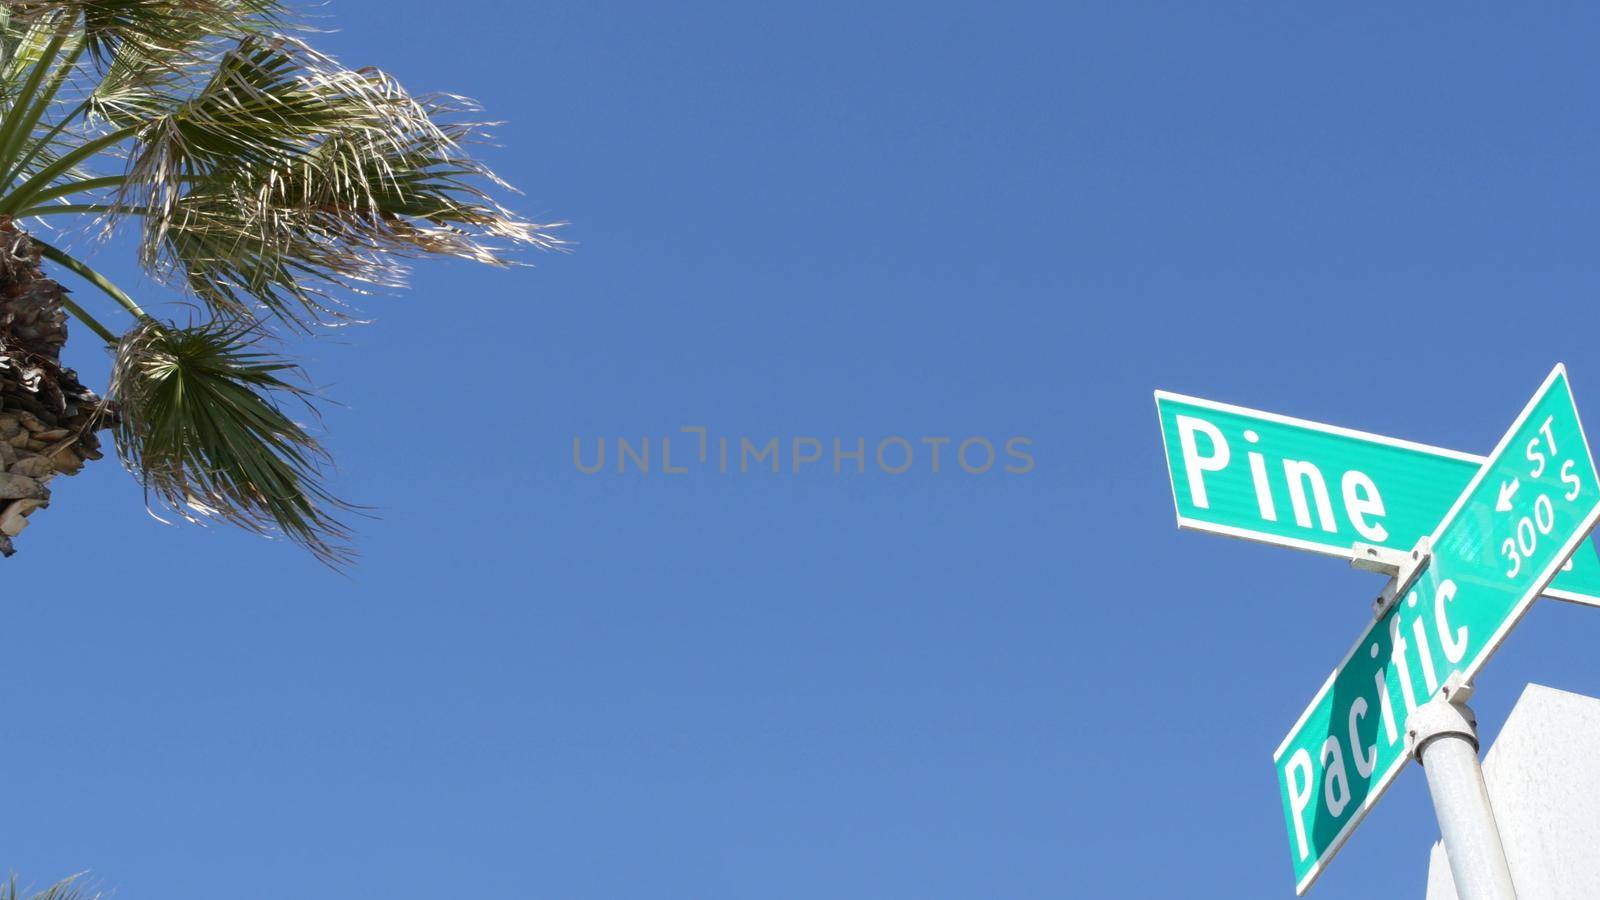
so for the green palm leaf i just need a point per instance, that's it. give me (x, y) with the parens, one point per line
(199, 424)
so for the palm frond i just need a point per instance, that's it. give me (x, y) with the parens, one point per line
(23, 39)
(147, 56)
(156, 30)
(288, 163)
(201, 426)
(233, 260)
(65, 889)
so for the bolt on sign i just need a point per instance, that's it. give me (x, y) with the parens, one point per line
(1530, 505)
(1293, 483)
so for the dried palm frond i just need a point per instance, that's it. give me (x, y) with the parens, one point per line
(65, 889)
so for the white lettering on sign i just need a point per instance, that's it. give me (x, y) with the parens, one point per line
(1365, 760)
(1258, 476)
(1299, 474)
(1300, 796)
(1361, 500)
(1195, 465)
(1414, 618)
(1528, 529)
(1310, 498)
(1456, 647)
(1335, 784)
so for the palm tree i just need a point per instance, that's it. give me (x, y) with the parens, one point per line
(65, 889)
(264, 183)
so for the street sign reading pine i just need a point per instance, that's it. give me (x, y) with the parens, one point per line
(1530, 505)
(1293, 483)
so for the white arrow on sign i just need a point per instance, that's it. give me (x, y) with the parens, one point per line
(1507, 491)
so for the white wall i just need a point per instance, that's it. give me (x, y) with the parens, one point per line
(1543, 773)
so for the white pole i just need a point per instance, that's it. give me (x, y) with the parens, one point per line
(1443, 737)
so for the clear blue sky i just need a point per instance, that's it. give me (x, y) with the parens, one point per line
(834, 220)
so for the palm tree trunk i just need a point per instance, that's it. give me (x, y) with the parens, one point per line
(48, 419)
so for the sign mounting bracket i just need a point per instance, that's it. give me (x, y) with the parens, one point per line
(1401, 566)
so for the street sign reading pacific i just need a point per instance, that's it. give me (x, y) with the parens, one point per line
(1531, 504)
(1279, 480)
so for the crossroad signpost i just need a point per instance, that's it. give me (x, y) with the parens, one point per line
(1530, 505)
(1285, 481)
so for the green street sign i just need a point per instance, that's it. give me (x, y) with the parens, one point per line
(1270, 478)
(1532, 503)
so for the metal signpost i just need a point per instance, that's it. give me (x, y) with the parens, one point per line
(1293, 483)
(1453, 597)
